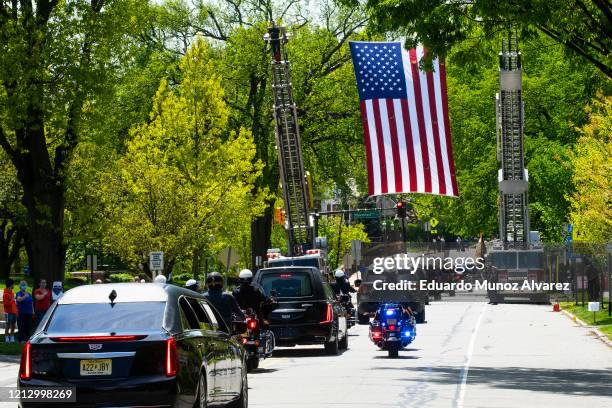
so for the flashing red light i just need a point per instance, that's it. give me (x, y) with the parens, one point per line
(25, 369)
(286, 275)
(245, 340)
(171, 366)
(328, 314)
(376, 334)
(251, 324)
(313, 252)
(102, 339)
(391, 327)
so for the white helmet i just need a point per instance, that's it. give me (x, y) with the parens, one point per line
(160, 279)
(245, 274)
(339, 273)
(191, 282)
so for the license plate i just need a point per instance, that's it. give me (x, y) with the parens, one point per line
(97, 367)
(391, 321)
(284, 332)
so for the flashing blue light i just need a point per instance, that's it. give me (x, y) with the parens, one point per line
(407, 334)
(390, 312)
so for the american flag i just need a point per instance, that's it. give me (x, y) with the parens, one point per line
(405, 120)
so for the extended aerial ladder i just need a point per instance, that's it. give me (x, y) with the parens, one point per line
(514, 258)
(300, 235)
(512, 175)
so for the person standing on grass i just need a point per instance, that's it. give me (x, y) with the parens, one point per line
(25, 312)
(10, 311)
(42, 300)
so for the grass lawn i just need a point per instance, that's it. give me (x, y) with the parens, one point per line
(9, 348)
(602, 321)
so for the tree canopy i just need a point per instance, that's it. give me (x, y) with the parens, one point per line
(583, 27)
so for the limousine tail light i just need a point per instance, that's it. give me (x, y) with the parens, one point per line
(171, 366)
(25, 369)
(328, 314)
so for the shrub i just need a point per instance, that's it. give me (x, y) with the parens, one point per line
(121, 277)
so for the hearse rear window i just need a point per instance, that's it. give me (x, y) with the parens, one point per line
(104, 318)
(287, 284)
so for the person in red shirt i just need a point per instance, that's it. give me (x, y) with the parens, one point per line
(10, 311)
(42, 300)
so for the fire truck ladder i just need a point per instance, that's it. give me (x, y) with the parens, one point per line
(514, 217)
(299, 232)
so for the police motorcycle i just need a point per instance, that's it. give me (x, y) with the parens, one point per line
(258, 341)
(393, 328)
(344, 298)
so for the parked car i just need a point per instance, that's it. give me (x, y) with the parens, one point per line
(137, 344)
(308, 311)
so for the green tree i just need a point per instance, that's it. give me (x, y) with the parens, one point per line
(58, 61)
(184, 176)
(339, 238)
(11, 216)
(583, 27)
(591, 204)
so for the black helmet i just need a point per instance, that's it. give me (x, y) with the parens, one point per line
(214, 277)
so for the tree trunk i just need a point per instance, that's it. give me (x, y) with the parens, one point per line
(261, 230)
(44, 203)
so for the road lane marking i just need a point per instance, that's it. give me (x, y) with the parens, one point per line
(468, 359)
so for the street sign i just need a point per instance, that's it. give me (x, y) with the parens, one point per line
(593, 306)
(228, 257)
(156, 261)
(433, 222)
(366, 215)
(92, 262)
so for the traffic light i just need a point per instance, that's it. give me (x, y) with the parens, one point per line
(279, 216)
(401, 209)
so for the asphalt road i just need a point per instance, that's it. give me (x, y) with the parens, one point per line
(469, 354)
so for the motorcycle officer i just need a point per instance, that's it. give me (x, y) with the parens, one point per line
(341, 286)
(247, 295)
(192, 284)
(223, 302)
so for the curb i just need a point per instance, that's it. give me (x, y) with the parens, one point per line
(598, 334)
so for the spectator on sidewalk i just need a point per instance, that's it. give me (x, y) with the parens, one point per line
(57, 291)
(25, 312)
(10, 312)
(42, 300)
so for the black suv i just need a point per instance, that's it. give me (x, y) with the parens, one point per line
(308, 311)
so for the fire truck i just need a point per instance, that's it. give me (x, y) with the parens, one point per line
(517, 256)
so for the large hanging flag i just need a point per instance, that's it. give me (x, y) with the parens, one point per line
(405, 120)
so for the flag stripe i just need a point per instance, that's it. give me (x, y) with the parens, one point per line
(414, 65)
(382, 154)
(449, 147)
(419, 176)
(436, 134)
(442, 129)
(376, 165)
(401, 142)
(389, 147)
(397, 167)
(366, 142)
(409, 146)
